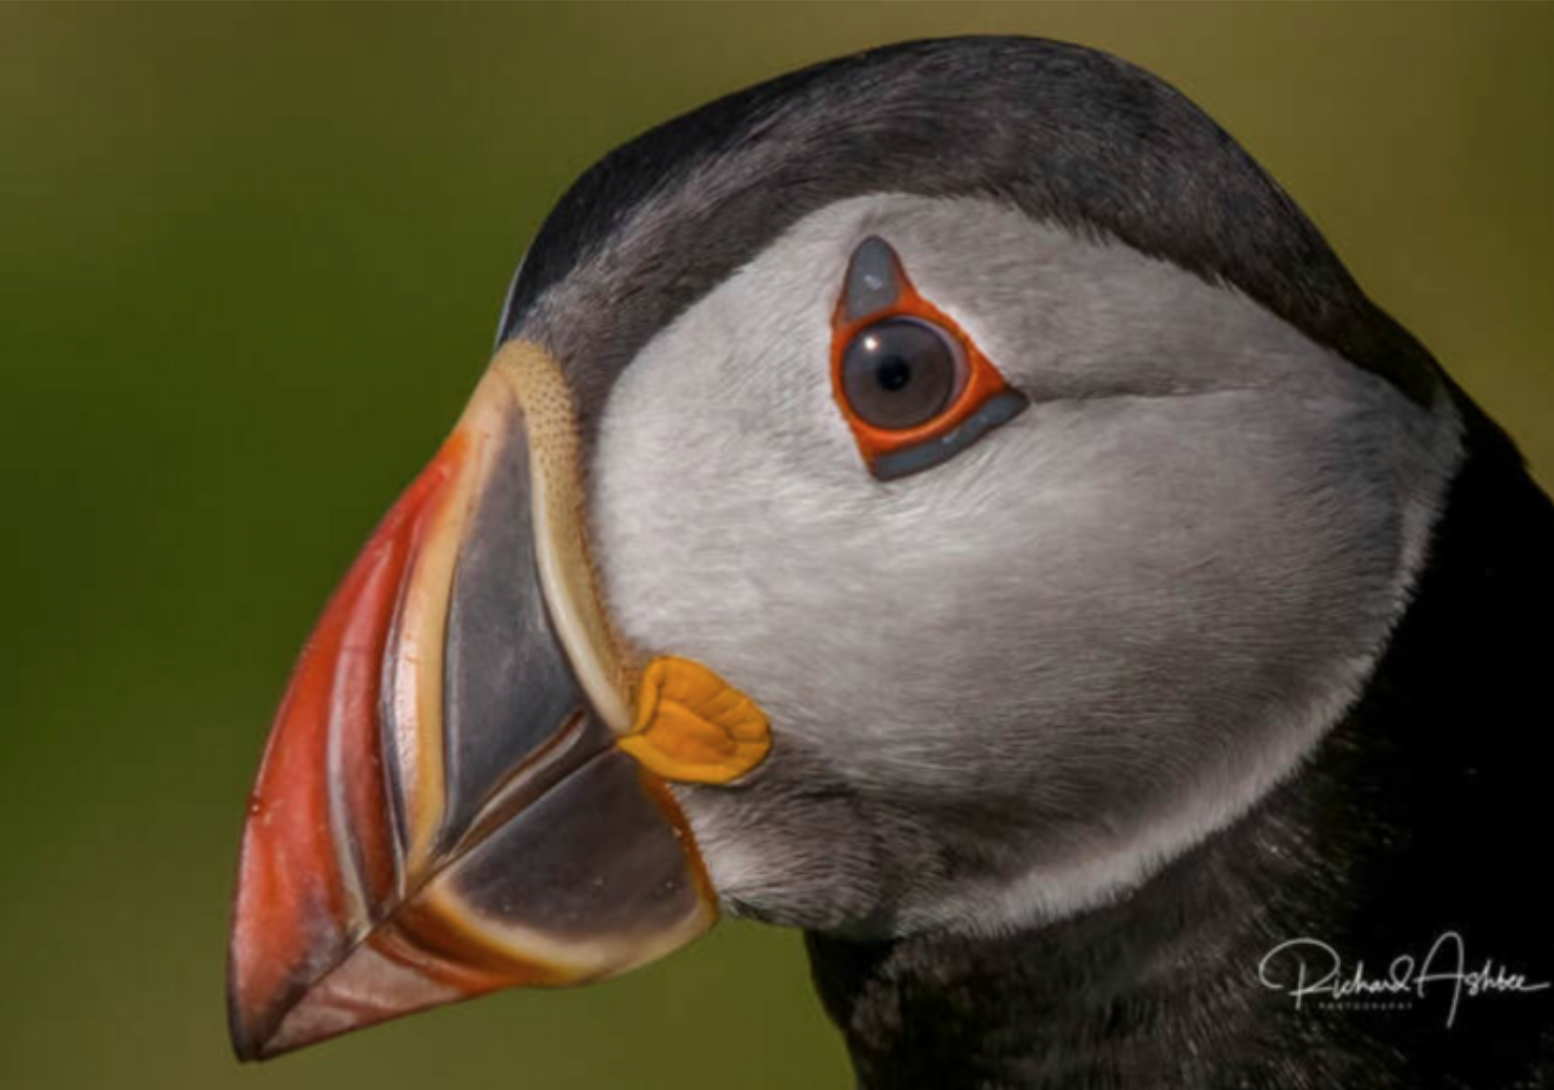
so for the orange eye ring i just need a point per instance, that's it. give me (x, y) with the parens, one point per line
(982, 401)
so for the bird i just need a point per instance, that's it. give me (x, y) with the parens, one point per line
(950, 500)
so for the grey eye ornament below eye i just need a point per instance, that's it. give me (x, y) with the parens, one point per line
(901, 373)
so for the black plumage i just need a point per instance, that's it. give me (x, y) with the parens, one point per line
(1066, 134)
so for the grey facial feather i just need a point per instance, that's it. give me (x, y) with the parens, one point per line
(1013, 685)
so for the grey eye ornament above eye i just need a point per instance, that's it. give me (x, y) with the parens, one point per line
(913, 387)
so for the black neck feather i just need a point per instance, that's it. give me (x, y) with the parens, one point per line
(1425, 812)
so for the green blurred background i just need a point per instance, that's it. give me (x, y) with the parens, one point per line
(250, 262)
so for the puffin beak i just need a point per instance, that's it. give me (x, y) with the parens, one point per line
(442, 808)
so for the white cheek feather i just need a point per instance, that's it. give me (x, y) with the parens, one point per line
(1123, 617)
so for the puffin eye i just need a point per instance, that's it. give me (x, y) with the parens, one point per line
(912, 386)
(901, 373)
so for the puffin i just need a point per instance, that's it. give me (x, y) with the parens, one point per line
(949, 500)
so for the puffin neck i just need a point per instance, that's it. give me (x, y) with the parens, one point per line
(1415, 817)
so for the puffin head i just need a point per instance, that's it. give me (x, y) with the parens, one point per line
(930, 491)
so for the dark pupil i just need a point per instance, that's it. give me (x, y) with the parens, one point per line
(894, 373)
(899, 373)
